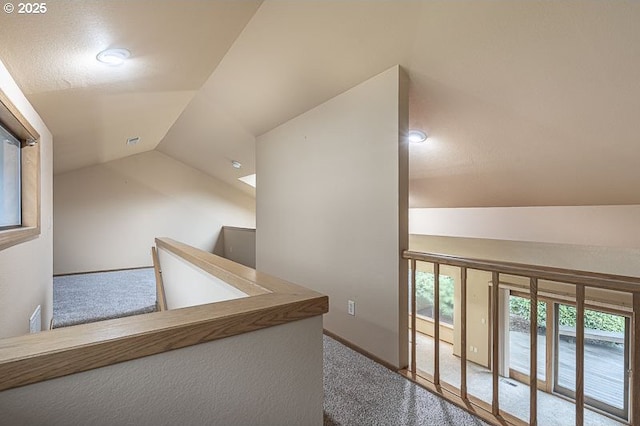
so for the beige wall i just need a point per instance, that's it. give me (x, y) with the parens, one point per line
(609, 226)
(239, 245)
(614, 260)
(107, 216)
(331, 210)
(26, 269)
(267, 377)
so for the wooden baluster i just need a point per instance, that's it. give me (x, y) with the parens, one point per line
(413, 316)
(463, 333)
(579, 355)
(161, 300)
(436, 324)
(635, 362)
(495, 326)
(533, 369)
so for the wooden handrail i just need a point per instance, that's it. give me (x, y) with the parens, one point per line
(228, 271)
(580, 279)
(37, 357)
(533, 360)
(413, 316)
(635, 361)
(495, 343)
(161, 300)
(579, 355)
(436, 324)
(569, 276)
(463, 333)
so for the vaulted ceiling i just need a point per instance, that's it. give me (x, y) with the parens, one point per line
(526, 103)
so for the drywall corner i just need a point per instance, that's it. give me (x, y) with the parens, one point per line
(330, 210)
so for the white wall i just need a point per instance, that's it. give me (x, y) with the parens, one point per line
(611, 226)
(26, 269)
(107, 216)
(271, 376)
(187, 285)
(332, 208)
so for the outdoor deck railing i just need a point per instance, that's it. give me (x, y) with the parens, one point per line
(579, 279)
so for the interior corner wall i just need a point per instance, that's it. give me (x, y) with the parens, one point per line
(107, 216)
(332, 210)
(26, 268)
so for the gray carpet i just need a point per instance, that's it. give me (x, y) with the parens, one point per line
(358, 391)
(79, 299)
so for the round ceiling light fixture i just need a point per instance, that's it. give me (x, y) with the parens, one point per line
(113, 57)
(236, 164)
(417, 136)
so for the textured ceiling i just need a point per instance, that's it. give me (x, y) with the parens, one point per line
(92, 108)
(526, 103)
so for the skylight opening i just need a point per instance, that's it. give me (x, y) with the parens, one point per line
(249, 179)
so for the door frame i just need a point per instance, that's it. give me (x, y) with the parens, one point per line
(598, 405)
(546, 384)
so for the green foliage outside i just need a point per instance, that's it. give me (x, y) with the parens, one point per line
(424, 297)
(517, 305)
(592, 319)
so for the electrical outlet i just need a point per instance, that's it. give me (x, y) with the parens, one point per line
(351, 307)
(475, 350)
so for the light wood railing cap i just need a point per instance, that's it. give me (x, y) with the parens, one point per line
(591, 279)
(36, 357)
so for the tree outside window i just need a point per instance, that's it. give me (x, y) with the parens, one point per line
(424, 296)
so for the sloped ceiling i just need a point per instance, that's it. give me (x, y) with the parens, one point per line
(92, 108)
(526, 103)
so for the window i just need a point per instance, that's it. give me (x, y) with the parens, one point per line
(606, 358)
(424, 296)
(19, 177)
(10, 187)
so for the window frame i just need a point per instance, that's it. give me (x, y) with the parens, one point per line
(16, 123)
(10, 167)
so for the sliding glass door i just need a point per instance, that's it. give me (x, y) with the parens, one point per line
(519, 340)
(606, 358)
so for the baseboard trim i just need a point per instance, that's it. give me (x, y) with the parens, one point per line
(361, 351)
(104, 270)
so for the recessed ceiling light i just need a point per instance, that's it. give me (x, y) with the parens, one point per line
(236, 164)
(249, 180)
(417, 136)
(113, 56)
(133, 141)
